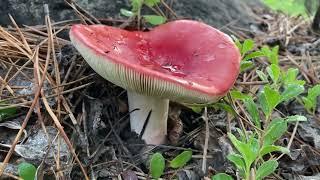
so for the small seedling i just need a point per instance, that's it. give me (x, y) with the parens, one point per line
(157, 163)
(136, 11)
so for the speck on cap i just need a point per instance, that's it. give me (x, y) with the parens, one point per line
(183, 60)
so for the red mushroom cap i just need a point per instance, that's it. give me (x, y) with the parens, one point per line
(182, 60)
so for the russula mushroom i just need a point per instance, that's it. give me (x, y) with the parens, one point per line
(184, 61)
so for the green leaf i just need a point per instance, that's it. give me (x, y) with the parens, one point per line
(274, 59)
(248, 151)
(181, 160)
(237, 160)
(264, 103)
(274, 72)
(308, 104)
(290, 77)
(157, 165)
(291, 91)
(245, 65)
(254, 145)
(314, 92)
(266, 51)
(154, 19)
(272, 54)
(272, 96)
(310, 101)
(274, 131)
(8, 112)
(262, 75)
(266, 169)
(27, 171)
(253, 111)
(253, 55)
(272, 148)
(296, 118)
(151, 3)
(126, 12)
(247, 45)
(136, 5)
(221, 176)
(235, 94)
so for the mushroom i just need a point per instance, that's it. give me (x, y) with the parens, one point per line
(183, 61)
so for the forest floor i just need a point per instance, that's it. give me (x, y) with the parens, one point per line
(55, 111)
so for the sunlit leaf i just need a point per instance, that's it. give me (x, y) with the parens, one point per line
(181, 160)
(27, 171)
(157, 165)
(154, 19)
(247, 45)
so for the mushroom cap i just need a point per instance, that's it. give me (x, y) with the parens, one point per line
(183, 60)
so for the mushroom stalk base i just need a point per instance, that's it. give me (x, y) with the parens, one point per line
(156, 129)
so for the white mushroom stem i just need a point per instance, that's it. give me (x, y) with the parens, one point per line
(156, 129)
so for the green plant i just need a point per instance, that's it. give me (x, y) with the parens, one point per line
(248, 53)
(281, 86)
(27, 171)
(292, 7)
(135, 11)
(310, 101)
(254, 146)
(157, 163)
(221, 176)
